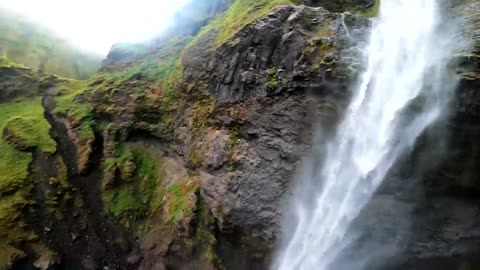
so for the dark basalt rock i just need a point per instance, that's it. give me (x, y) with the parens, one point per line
(341, 5)
(266, 81)
(290, 48)
(17, 82)
(237, 128)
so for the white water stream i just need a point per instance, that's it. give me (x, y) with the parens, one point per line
(408, 54)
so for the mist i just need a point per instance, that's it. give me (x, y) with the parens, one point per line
(406, 86)
(95, 26)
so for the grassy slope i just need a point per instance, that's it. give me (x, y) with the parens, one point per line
(243, 12)
(240, 13)
(14, 184)
(13, 163)
(23, 118)
(28, 44)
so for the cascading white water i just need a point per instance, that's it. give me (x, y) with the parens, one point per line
(408, 55)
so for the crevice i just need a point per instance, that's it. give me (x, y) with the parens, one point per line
(79, 230)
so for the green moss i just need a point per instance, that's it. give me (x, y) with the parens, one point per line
(239, 14)
(13, 163)
(162, 68)
(16, 81)
(125, 204)
(202, 110)
(326, 30)
(204, 239)
(131, 198)
(22, 133)
(80, 113)
(67, 103)
(273, 83)
(272, 72)
(62, 173)
(25, 121)
(234, 138)
(371, 12)
(177, 203)
(5, 63)
(11, 209)
(193, 157)
(234, 142)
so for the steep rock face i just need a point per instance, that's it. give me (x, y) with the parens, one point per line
(16, 81)
(238, 122)
(237, 119)
(49, 214)
(181, 152)
(290, 48)
(425, 215)
(343, 5)
(265, 81)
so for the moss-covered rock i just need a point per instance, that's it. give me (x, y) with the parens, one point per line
(16, 81)
(21, 134)
(137, 174)
(364, 7)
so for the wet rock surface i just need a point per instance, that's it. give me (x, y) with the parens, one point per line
(425, 215)
(223, 148)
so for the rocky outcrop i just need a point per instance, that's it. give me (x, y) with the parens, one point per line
(264, 86)
(16, 81)
(181, 152)
(289, 49)
(238, 122)
(343, 5)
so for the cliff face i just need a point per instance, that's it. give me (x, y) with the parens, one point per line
(180, 153)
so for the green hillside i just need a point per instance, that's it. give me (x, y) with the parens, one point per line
(33, 46)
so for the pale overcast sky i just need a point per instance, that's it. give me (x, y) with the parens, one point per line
(95, 25)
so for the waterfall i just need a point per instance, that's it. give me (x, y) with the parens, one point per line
(402, 91)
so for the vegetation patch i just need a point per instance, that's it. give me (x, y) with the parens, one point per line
(202, 110)
(130, 197)
(272, 85)
(21, 116)
(238, 15)
(204, 240)
(25, 121)
(69, 104)
(21, 133)
(5, 63)
(371, 12)
(16, 81)
(162, 68)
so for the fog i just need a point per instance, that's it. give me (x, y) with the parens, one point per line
(96, 25)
